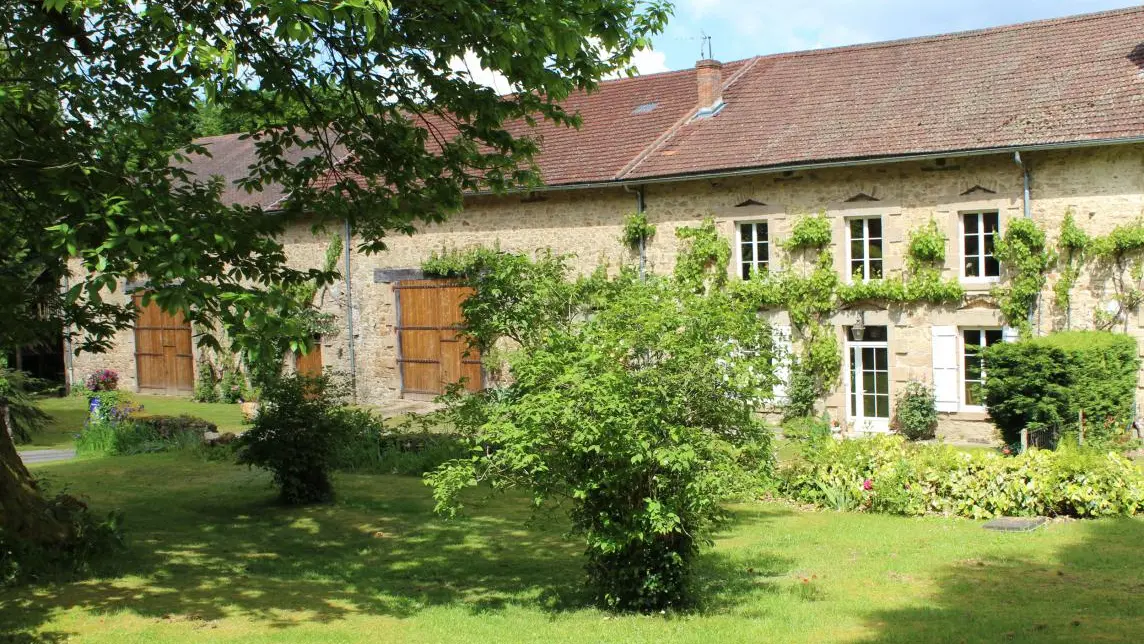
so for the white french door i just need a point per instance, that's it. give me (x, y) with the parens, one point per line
(868, 396)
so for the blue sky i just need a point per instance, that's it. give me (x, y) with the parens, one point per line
(744, 28)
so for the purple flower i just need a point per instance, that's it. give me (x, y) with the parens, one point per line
(867, 484)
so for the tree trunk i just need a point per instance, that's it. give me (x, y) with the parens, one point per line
(24, 512)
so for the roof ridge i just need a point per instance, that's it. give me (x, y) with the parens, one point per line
(957, 35)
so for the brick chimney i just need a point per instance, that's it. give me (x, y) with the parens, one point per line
(709, 77)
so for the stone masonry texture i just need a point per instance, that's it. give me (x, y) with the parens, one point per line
(1102, 186)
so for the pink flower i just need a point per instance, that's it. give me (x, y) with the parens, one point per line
(867, 484)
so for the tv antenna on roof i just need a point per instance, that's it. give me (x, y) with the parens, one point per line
(705, 40)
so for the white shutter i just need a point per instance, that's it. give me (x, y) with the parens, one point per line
(945, 370)
(1010, 334)
(783, 350)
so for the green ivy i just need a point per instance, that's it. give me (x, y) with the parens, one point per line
(810, 232)
(1023, 252)
(1121, 249)
(921, 283)
(704, 256)
(637, 230)
(1072, 245)
(927, 244)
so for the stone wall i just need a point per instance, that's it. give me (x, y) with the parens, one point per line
(1102, 186)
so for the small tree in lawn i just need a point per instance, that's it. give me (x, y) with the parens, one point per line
(295, 435)
(640, 418)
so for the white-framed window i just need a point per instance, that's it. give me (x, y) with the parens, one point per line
(973, 343)
(979, 230)
(754, 248)
(868, 364)
(865, 248)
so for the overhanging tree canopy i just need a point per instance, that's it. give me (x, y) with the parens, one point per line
(93, 92)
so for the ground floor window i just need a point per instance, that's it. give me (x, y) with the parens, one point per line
(974, 341)
(868, 358)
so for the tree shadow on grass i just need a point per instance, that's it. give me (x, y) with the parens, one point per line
(207, 543)
(201, 555)
(1090, 591)
(730, 578)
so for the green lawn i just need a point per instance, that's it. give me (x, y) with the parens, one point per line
(213, 560)
(69, 414)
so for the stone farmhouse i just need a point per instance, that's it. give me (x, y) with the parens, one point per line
(971, 130)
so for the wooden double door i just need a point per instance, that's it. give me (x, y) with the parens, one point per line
(433, 351)
(164, 362)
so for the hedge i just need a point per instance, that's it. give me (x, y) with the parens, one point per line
(1043, 383)
(886, 474)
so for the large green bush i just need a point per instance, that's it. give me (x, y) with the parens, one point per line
(296, 435)
(887, 474)
(641, 419)
(1043, 384)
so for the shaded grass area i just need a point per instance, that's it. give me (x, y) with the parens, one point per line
(70, 413)
(212, 559)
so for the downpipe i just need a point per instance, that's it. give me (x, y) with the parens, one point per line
(350, 310)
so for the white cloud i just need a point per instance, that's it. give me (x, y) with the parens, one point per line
(649, 61)
(646, 61)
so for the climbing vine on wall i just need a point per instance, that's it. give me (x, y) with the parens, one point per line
(637, 230)
(920, 282)
(1121, 251)
(703, 257)
(811, 232)
(1071, 249)
(1026, 258)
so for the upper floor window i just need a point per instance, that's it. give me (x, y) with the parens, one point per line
(978, 233)
(865, 248)
(754, 248)
(974, 342)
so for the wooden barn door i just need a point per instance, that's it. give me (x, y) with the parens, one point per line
(310, 364)
(432, 349)
(163, 360)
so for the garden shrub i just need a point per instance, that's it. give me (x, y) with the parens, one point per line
(807, 428)
(641, 418)
(1043, 383)
(168, 426)
(118, 432)
(915, 411)
(296, 435)
(231, 386)
(206, 385)
(887, 474)
(410, 448)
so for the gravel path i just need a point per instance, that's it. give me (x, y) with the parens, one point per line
(46, 455)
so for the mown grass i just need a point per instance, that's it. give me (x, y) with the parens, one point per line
(213, 559)
(69, 413)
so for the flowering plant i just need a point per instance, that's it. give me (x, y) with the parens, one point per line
(103, 380)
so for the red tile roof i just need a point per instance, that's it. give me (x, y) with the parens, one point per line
(1066, 80)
